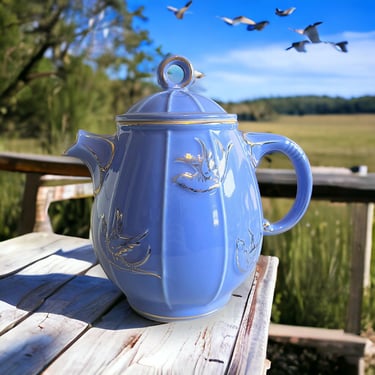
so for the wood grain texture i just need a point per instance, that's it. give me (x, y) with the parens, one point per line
(42, 164)
(130, 344)
(24, 250)
(61, 319)
(23, 292)
(251, 345)
(362, 223)
(60, 314)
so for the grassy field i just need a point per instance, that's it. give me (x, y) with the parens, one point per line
(328, 140)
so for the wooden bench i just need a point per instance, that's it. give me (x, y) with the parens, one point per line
(44, 174)
(54, 188)
(353, 348)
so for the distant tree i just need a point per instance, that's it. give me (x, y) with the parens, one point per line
(266, 108)
(364, 104)
(52, 50)
(257, 110)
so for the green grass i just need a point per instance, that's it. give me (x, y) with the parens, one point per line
(313, 276)
(12, 187)
(11, 190)
(21, 145)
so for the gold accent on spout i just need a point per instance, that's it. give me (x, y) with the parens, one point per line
(103, 169)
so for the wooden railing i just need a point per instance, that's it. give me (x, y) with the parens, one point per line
(328, 184)
(337, 185)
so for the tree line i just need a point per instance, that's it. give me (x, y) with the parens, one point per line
(268, 108)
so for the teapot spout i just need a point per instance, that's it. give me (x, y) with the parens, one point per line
(96, 152)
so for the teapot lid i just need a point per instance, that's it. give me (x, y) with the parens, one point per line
(177, 104)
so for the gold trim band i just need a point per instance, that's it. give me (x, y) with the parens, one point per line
(176, 122)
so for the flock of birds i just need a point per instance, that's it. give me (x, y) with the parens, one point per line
(310, 31)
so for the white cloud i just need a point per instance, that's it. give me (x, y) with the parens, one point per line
(272, 71)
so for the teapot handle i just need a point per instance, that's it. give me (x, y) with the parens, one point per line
(261, 144)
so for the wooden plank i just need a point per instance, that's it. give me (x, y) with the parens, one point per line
(43, 164)
(28, 208)
(61, 319)
(54, 180)
(341, 187)
(327, 340)
(24, 292)
(62, 189)
(251, 345)
(335, 187)
(361, 225)
(21, 251)
(368, 245)
(130, 344)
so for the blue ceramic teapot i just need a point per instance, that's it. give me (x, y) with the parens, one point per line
(177, 221)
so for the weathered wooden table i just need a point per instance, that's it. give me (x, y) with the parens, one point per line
(59, 314)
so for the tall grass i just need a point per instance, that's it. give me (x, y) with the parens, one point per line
(313, 277)
(368, 313)
(12, 187)
(11, 191)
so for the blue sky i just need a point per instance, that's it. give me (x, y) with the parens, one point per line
(240, 64)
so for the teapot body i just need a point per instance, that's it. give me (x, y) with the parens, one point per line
(177, 221)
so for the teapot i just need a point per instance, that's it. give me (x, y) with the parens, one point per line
(177, 220)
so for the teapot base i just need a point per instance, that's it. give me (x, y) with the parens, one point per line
(168, 319)
(186, 314)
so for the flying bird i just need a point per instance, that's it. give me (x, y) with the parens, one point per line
(237, 20)
(311, 32)
(179, 13)
(299, 46)
(340, 46)
(257, 26)
(198, 75)
(286, 12)
(229, 21)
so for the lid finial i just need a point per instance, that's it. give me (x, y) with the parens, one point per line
(175, 72)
